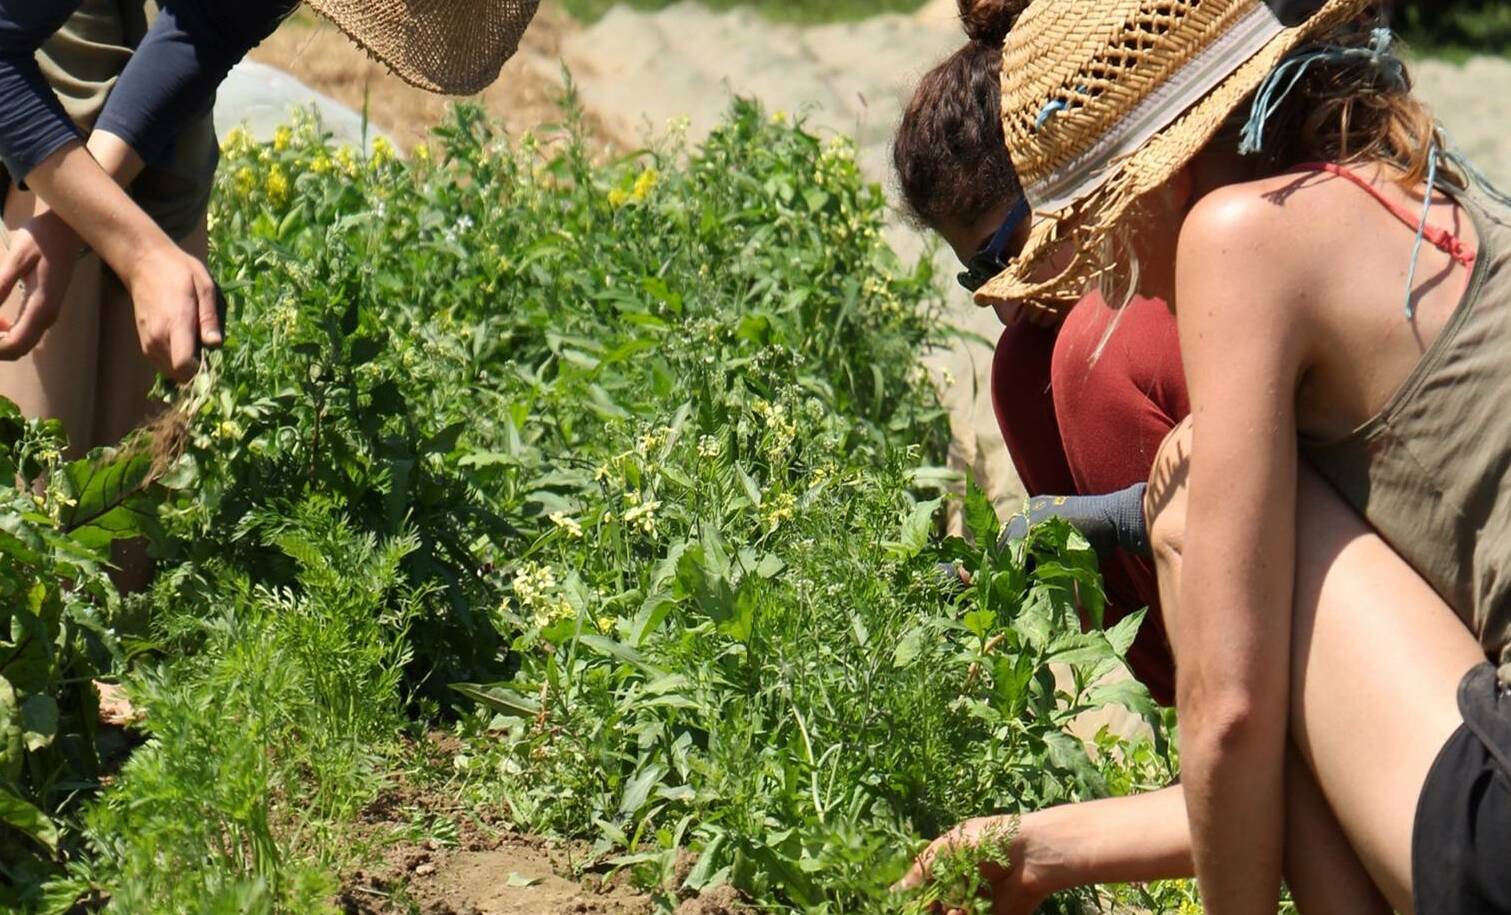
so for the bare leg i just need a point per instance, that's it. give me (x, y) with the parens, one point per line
(1377, 659)
(57, 379)
(122, 401)
(1321, 868)
(125, 377)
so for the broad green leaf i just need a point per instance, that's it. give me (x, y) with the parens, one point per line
(916, 527)
(27, 819)
(111, 499)
(1130, 694)
(1122, 635)
(638, 790)
(909, 647)
(500, 697)
(39, 721)
(981, 517)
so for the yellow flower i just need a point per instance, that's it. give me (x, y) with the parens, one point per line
(321, 164)
(277, 186)
(245, 180)
(618, 197)
(346, 160)
(605, 624)
(567, 523)
(422, 153)
(779, 509)
(642, 513)
(282, 137)
(644, 185)
(237, 142)
(383, 153)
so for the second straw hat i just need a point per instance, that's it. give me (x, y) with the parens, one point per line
(455, 47)
(1105, 100)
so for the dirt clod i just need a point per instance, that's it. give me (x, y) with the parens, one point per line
(721, 900)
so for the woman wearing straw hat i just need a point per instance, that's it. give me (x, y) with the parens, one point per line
(1341, 285)
(107, 147)
(1082, 414)
(1075, 429)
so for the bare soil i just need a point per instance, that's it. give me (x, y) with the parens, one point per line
(487, 868)
(322, 58)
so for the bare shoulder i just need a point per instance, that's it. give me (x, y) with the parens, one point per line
(1262, 243)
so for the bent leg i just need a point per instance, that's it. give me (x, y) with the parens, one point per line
(1374, 695)
(57, 379)
(1323, 871)
(1377, 659)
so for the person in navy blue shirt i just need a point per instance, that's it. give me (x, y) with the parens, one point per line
(167, 82)
(81, 180)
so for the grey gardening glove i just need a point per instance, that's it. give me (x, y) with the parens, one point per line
(1113, 521)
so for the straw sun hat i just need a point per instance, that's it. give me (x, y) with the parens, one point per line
(1104, 101)
(454, 47)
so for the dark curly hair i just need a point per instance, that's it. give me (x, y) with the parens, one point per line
(949, 153)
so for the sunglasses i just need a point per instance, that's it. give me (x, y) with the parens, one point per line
(984, 266)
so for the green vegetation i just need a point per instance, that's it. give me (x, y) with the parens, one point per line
(1458, 27)
(624, 474)
(802, 11)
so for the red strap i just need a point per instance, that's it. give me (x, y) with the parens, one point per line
(1439, 238)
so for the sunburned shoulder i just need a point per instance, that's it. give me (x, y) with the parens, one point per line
(1272, 237)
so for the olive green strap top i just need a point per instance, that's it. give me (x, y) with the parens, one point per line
(1429, 472)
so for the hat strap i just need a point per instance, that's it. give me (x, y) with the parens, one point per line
(1284, 78)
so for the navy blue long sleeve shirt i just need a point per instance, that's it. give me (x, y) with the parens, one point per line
(170, 80)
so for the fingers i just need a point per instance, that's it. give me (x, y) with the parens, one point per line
(40, 307)
(15, 266)
(183, 352)
(38, 314)
(211, 311)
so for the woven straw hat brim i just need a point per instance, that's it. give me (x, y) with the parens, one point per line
(1086, 223)
(449, 47)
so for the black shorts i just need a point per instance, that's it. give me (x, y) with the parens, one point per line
(1461, 842)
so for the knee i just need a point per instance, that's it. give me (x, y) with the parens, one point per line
(1165, 501)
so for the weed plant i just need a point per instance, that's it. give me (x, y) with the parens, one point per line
(625, 471)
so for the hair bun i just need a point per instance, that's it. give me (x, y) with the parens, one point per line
(989, 21)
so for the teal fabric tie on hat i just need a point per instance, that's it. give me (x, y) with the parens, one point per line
(1278, 86)
(1284, 78)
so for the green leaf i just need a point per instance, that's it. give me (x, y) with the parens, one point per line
(39, 721)
(909, 647)
(980, 623)
(638, 790)
(501, 697)
(981, 517)
(1069, 754)
(752, 489)
(520, 881)
(111, 499)
(1130, 694)
(917, 524)
(27, 819)
(1122, 635)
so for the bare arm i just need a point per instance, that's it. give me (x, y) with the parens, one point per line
(172, 294)
(1131, 839)
(1241, 342)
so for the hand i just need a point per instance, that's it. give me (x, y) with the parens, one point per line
(41, 258)
(177, 308)
(1113, 521)
(1013, 888)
